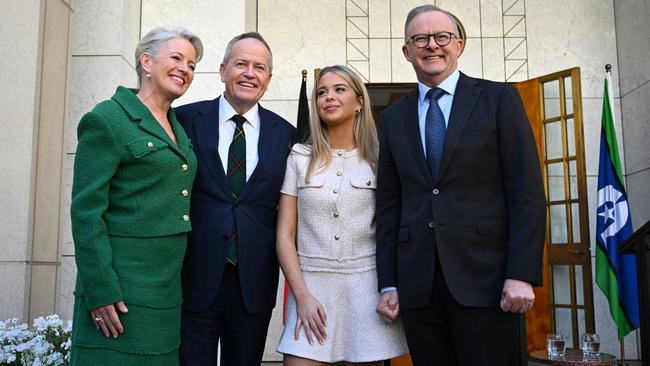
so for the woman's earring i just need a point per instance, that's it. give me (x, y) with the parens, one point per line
(148, 75)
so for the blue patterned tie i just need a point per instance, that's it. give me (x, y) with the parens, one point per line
(434, 132)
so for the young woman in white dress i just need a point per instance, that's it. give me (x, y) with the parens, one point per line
(326, 234)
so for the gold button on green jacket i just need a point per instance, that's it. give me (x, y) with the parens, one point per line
(130, 212)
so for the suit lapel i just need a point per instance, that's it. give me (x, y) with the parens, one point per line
(412, 130)
(206, 132)
(467, 93)
(137, 111)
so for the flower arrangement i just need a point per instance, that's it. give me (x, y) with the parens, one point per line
(46, 344)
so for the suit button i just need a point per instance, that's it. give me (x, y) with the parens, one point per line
(335, 190)
(335, 214)
(186, 217)
(435, 191)
(185, 193)
(431, 225)
(337, 237)
(150, 144)
(184, 167)
(338, 174)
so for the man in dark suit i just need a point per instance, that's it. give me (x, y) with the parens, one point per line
(230, 273)
(460, 206)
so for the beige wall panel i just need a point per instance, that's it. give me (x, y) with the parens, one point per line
(401, 68)
(380, 56)
(302, 35)
(491, 19)
(564, 34)
(67, 278)
(379, 19)
(493, 59)
(215, 22)
(399, 9)
(285, 86)
(632, 29)
(97, 26)
(12, 290)
(92, 80)
(21, 20)
(468, 11)
(636, 119)
(130, 30)
(288, 109)
(67, 246)
(470, 62)
(635, 111)
(43, 289)
(639, 196)
(50, 136)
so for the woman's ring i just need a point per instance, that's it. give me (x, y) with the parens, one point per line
(98, 318)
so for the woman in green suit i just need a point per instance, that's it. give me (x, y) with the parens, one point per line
(133, 175)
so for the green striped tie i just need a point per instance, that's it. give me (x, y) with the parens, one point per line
(236, 176)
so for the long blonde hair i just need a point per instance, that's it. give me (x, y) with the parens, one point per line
(365, 132)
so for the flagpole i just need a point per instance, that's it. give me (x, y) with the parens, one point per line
(608, 70)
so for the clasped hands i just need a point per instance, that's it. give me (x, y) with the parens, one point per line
(106, 318)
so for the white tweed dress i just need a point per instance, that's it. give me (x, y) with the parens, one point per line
(336, 251)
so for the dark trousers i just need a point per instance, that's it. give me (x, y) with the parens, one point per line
(447, 333)
(242, 334)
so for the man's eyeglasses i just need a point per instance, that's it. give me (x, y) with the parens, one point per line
(422, 40)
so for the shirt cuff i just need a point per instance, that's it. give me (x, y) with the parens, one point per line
(386, 289)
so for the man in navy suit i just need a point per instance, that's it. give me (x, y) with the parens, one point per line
(230, 273)
(460, 206)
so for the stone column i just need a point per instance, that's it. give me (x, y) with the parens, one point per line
(104, 37)
(34, 110)
(634, 75)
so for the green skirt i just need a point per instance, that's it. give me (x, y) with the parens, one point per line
(82, 356)
(148, 270)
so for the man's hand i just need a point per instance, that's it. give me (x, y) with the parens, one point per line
(388, 306)
(517, 296)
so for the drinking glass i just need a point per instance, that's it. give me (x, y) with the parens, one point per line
(555, 345)
(590, 345)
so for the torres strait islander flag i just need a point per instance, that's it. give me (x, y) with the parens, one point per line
(615, 273)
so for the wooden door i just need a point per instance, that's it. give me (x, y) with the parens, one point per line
(538, 320)
(565, 302)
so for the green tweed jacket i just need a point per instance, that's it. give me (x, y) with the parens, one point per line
(130, 181)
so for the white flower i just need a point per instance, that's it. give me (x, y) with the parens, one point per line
(48, 344)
